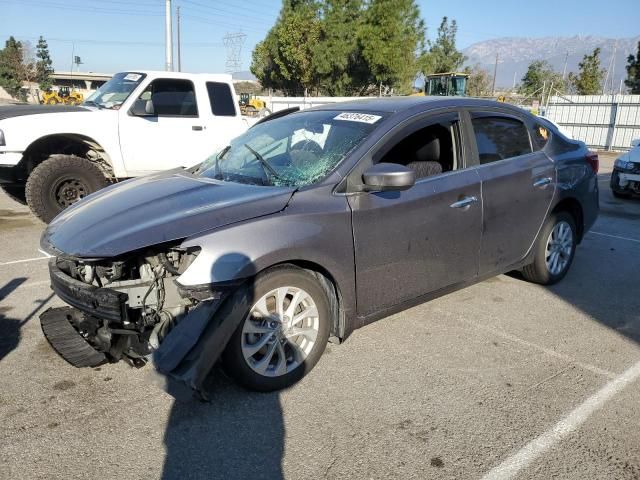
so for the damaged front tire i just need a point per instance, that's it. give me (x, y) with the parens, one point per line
(284, 332)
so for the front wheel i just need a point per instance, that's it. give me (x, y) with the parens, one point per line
(59, 182)
(284, 332)
(554, 250)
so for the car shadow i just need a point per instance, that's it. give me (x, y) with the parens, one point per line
(10, 334)
(236, 433)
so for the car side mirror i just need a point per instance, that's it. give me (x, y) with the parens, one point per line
(142, 108)
(388, 176)
(635, 142)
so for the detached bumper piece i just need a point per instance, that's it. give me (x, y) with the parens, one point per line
(65, 339)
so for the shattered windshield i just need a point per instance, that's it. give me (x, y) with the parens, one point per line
(114, 93)
(296, 150)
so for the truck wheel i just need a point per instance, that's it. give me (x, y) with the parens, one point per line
(59, 182)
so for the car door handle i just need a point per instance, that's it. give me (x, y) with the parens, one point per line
(465, 202)
(197, 128)
(542, 182)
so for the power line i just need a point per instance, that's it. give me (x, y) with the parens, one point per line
(89, 9)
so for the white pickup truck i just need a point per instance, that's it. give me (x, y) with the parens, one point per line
(135, 124)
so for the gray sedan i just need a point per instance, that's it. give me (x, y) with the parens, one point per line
(310, 225)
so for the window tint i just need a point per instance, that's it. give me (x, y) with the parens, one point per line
(431, 150)
(221, 99)
(172, 97)
(500, 137)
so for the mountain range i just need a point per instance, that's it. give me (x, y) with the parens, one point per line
(515, 55)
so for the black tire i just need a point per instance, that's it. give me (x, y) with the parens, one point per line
(60, 181)
(620, 194)
(234, 362)
(538, 271)
(15, 192)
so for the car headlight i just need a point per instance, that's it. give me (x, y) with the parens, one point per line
(2, 141)
(623, 164)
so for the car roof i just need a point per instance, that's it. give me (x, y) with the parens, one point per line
(399, 104)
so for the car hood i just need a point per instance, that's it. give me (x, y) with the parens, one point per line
(155, 209)
(632, 155)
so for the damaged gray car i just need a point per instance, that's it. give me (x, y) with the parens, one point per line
(311, 225)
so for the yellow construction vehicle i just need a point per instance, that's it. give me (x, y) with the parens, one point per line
(446, 84)
(252, 106)
(63, 95)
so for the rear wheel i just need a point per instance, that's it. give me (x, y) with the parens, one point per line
(283, 334)
(553, 251)
(59, 182)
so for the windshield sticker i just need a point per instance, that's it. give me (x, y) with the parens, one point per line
(358, 117)
(132, 77)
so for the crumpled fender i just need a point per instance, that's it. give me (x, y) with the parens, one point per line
(190, 351)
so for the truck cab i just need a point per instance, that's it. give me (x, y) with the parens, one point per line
(137, 123)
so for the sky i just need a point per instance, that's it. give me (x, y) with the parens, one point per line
(117, 35)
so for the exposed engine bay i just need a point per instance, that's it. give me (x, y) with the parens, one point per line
(127, 306)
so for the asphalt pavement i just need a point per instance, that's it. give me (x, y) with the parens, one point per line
(504, 379)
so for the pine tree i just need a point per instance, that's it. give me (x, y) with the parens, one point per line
(443, 56)
(391, 35)
(338, 59)
(44, 67)
(633, 72)
(539, 75)
(589, 79)
(11, 66)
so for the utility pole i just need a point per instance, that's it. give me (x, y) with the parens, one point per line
(564, 69)
(495, 72)
(168, 37)
(609, 69)
(178, 35)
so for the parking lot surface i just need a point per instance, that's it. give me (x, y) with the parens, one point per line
(504, 379)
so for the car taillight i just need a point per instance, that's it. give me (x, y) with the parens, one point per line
(593, 161)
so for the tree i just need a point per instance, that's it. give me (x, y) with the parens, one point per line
(540, 74)
(11, 61)
(589, 79)
(443, 56)
(283, 60)
(633, 72)
(391, 38)
(480, 81)
(338, 60)
(44, 67)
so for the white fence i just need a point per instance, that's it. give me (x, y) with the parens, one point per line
(606, 122)
(275, 104)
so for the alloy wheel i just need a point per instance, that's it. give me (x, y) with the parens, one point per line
(280, 331)
(559, 248)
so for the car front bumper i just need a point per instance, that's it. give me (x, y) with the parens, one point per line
(625, 180)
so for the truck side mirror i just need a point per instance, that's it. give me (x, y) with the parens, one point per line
(142, 108)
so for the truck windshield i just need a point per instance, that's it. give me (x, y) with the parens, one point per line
(113, 93)
(296, 150)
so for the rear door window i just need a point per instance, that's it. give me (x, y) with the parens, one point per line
(221, 99)
(499, 138)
